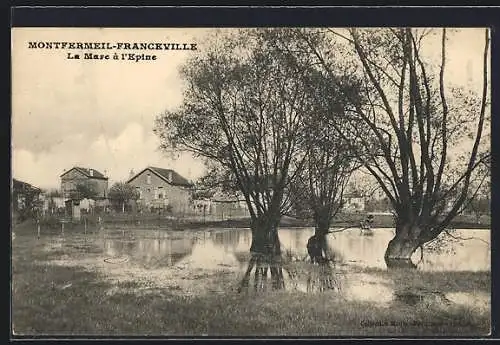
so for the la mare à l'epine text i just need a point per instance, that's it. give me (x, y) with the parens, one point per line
(133, 57)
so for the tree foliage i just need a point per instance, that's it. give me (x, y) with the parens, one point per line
(242, 111)
(420, 138)
(122, 193)
(278, 112)
(85, 190)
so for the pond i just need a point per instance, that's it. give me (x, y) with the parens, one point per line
(213, 260)
(229, 247)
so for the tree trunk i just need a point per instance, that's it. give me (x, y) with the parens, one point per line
(321, 277)
(317, 244)
(266, 255)
(321, 231)
(402, 246)
(265, 238)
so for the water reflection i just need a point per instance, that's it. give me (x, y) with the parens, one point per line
(229, 248)
(209, 260)
(207, 255)
(163, 251)
(228, 240)
(366, 251)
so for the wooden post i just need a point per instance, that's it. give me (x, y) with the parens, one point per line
(38, 228)
(62, 227)
(85, 225)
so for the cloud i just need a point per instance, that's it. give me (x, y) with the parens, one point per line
(67, 97)
(92, 113)
(101, 114)
(133, 149)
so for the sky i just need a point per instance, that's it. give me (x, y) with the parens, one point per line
(100, 114)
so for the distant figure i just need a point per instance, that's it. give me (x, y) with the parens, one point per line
(315, 249)
(369, 220)
(366, 225)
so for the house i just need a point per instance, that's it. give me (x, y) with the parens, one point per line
(229, 205)
(24, 196)
(202, 206)
(87, 204)
(353, 202)
(161, 188)
(83, 176)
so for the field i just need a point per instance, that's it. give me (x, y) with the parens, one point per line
(53, 299)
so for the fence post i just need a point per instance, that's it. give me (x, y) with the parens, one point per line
(38, 228)
(62, 227)
(98, 223)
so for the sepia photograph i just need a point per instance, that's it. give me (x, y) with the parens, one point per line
(270, 181)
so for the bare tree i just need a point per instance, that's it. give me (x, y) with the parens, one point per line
(242, 109)
(329, 161)
(425, 141)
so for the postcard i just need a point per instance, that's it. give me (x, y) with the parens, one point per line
(291, 181)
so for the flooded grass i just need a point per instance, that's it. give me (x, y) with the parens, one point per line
(84, 309)
(64, 286)
(457, 281)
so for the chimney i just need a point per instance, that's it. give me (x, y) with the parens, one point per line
(131, 173)
(91, 172)
(105, 173)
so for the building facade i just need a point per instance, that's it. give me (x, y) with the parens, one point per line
(160, 188)
(25, 197)
(86, 176)
(353, 202)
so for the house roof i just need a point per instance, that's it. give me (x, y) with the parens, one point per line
(17, 184)
(164, 174)
(86, 171)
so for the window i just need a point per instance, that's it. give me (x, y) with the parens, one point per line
(148, 179)
(160, 192)
(139, 192)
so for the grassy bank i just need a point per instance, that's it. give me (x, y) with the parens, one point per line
(51, 299)
(124, 221)
(340, 221)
